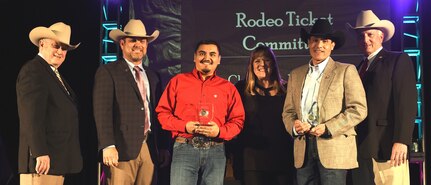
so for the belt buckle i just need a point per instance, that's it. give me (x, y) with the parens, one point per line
(201, 142)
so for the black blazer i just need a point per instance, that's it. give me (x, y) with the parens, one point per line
(390, 86)
(118, 111)
(49, 122)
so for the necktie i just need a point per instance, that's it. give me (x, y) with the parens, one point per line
(59, 78)
(363, 68)
(141, 85)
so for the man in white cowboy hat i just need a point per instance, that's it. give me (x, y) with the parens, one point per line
(390, 85)
(48, 112)
(125, 95)
(325, 100)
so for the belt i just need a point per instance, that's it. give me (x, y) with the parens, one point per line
(199, 141)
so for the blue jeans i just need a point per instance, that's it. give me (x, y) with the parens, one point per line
(194, 166)
(313, 172)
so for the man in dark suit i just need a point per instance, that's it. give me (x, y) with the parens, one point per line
(389, 82)
(48, 112)
(125, 95)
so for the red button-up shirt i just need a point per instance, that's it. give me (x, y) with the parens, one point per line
(184, 92)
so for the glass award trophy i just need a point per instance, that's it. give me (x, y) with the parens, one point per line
(205, 113)
(313, 114)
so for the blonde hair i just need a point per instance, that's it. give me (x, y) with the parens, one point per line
(275, 78)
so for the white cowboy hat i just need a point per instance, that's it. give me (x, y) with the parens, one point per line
(367, 19)
(134, 28)
(59, 32)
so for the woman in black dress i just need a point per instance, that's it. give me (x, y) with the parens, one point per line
(263, 151)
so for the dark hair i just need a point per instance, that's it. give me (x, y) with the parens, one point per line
(275, 75)
(205, 42)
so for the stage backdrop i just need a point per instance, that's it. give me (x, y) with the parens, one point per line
(241, 25)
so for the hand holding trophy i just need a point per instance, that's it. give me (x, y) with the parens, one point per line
(205, 115)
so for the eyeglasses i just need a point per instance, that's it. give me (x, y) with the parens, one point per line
(59, 46)
(56, 45)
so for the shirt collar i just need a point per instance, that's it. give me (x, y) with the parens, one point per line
(40, 54)
(320, 67)
(132, 65)
(373, 55)
(52, 67)
(199, 76)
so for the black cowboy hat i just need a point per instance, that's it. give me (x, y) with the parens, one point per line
(323, 29)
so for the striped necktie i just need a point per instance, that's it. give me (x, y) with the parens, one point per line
(61, 81)
(141, 85)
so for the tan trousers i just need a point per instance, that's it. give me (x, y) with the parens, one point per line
(139, 171)
(35, 179)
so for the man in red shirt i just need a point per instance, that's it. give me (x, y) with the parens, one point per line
(202, 110)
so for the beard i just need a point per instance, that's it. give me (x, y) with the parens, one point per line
(206, 62)
(205, 71)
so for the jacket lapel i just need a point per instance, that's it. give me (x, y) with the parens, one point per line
(379, 58)
(302, 73)
(130, 78)
(72, 96)
(325, 82)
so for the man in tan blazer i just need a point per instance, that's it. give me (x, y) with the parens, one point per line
(325, 100)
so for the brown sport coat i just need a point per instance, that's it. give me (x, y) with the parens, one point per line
(341, 104)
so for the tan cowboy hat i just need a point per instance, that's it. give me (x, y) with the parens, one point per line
(59, 32)
(134, 28)
(367, 19)
(323, 29)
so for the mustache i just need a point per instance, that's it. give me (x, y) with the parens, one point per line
(140, 48)
(203, 61)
